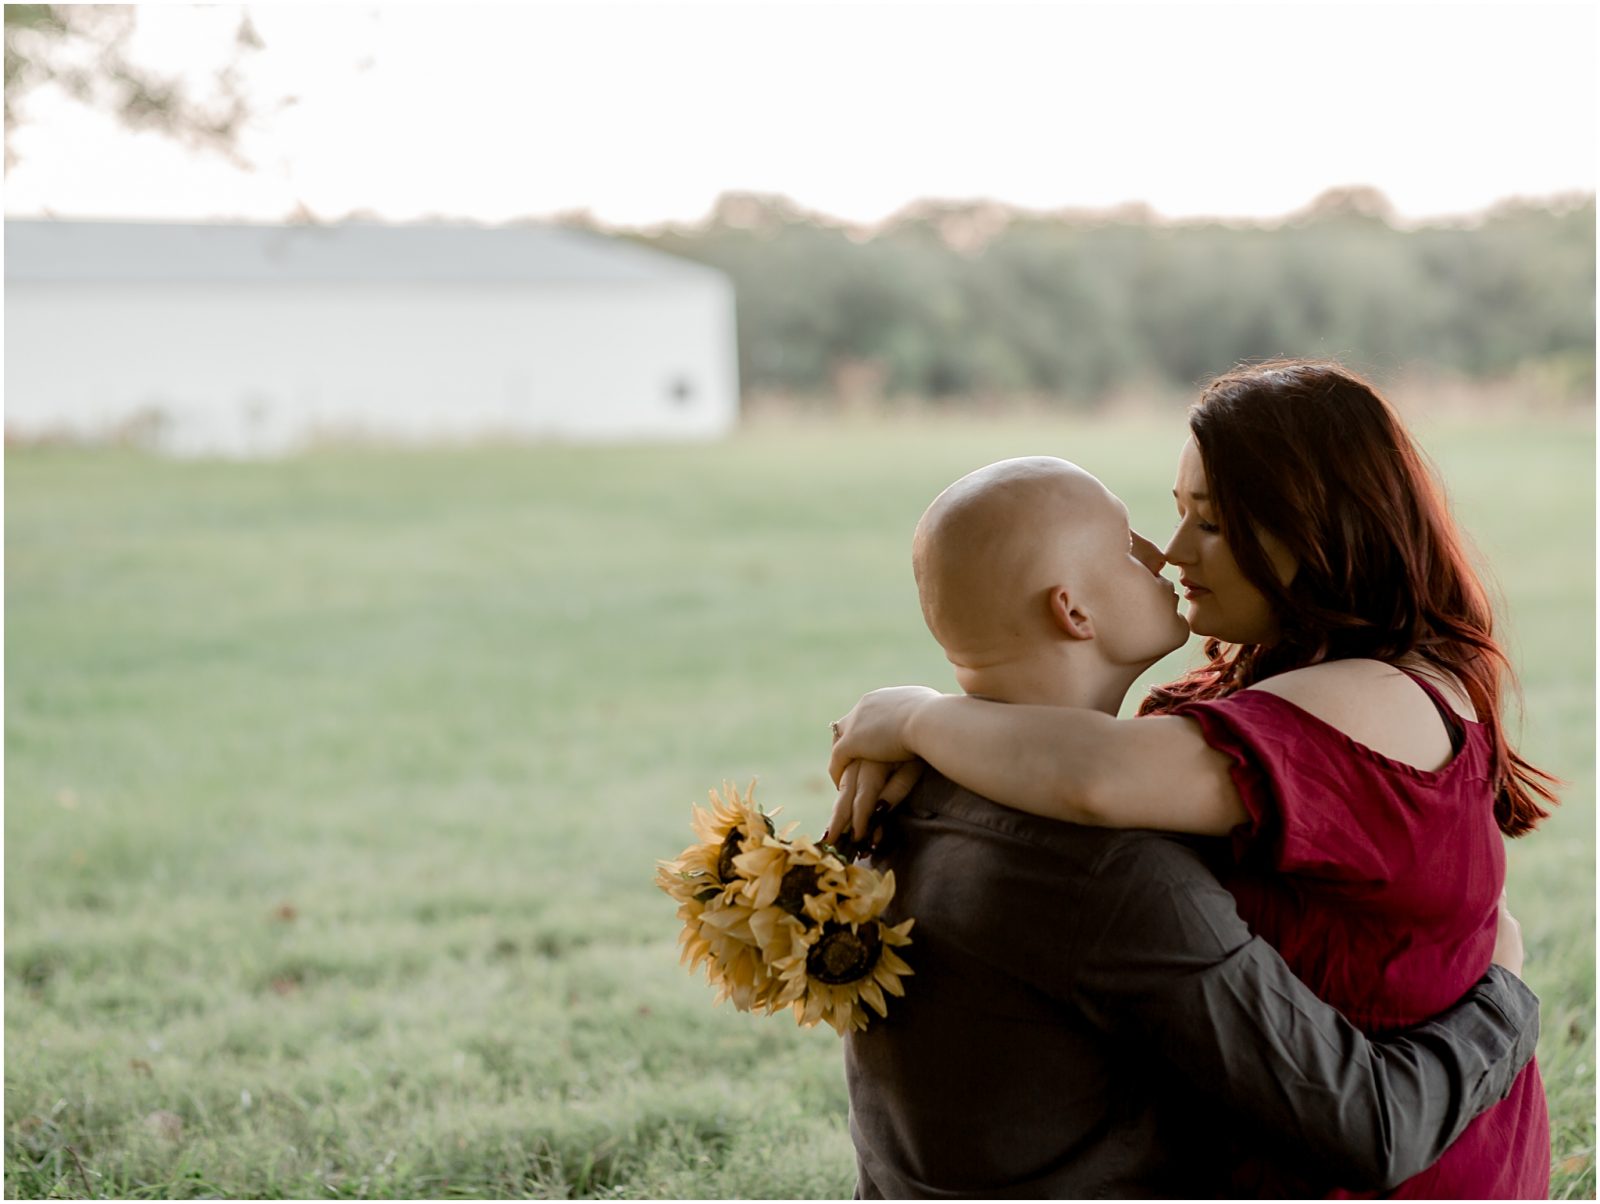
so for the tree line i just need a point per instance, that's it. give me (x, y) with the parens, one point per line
(950, 300)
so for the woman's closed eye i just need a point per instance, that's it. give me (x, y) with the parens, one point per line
(1208, 528)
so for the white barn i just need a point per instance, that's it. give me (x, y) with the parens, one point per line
(252, 340)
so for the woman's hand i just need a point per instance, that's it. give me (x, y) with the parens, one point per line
(1508, 940)
(862, 786)
(875, 729)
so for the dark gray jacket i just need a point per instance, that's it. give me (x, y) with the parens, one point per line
(1089, 1017)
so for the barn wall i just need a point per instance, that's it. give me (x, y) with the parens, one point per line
(250, 369)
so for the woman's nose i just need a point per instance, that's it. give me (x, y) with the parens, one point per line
(1175, 552)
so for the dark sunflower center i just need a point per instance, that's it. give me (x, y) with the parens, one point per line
(730, 850)
(842, 956)
(797, 884)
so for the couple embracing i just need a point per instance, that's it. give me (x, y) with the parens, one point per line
(1252, 942)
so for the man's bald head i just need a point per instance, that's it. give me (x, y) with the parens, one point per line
(991, 547)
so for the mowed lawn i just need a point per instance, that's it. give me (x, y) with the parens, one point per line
(334, 789)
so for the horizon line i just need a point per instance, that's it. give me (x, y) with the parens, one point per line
(1371, 200)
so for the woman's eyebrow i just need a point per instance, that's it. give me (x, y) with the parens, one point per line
(1199, 497)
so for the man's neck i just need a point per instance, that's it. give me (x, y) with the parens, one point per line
(1057, 680)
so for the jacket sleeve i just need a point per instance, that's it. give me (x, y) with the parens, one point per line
(1169, 963)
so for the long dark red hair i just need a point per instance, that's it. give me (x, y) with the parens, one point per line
(1311, 454)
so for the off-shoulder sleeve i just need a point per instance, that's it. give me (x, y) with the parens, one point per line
(1315, 806)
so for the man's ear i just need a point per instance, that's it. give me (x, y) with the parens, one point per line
(1073, 621)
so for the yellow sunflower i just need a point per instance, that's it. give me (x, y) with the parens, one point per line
(865, 895)
(779, 921)
(708, 890)
(731, 825)
(731, 812)
(785, 871)
(843, 961)
(704, 872)
(747, 981)
(778, 935)
(717, 934)
(837, 970)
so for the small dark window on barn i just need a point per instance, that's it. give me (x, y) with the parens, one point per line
(680, 390)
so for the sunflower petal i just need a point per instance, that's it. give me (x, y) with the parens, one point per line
(873, 996)
(894, 963)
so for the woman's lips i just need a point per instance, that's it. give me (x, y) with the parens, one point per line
(1192, 591)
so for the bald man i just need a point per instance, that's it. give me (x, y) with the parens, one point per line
(1089, 1016)
(1033, 584)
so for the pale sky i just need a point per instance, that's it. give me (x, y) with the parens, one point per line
(643, 114)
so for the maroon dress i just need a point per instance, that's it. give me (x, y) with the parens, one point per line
(1379, 883)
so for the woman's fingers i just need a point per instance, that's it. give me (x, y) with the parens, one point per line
(842, 816)
(869, 762)
(902, 781)
(838, 759)
(870, 779)
(1508, 950)
(863, 785)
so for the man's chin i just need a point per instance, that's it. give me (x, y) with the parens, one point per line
(1169, 647)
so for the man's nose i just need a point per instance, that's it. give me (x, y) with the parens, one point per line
(1149, 555)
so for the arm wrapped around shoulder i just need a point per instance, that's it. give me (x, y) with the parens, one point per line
(1175, 966)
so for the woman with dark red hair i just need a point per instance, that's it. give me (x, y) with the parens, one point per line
(1345, 729)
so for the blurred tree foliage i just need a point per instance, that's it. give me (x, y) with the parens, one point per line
(955, 299)
(84, 50)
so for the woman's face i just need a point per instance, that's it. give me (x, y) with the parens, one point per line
(1222, 601)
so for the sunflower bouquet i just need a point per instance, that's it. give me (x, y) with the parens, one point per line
(782, 922)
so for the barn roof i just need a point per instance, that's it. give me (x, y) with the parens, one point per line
(351, 252)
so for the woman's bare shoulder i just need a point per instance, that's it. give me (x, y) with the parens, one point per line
(1338, 692)
(1376, 704)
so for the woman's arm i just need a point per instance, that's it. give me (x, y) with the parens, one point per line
(1064, 763)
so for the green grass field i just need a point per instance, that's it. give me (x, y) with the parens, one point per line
(335, 786)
